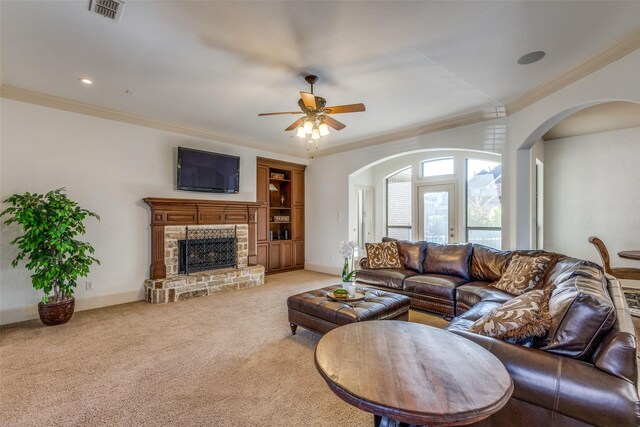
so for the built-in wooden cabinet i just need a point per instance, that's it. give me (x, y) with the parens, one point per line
(280, 215)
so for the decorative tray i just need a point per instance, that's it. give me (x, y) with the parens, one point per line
(358, 297)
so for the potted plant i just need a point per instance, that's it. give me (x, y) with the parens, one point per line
(348, 269)
(51, 223)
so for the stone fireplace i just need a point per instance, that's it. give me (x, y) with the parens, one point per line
(207, 248)
(201, 247)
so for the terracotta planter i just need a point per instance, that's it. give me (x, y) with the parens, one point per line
(56, 313)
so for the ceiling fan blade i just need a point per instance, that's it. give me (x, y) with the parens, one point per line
(309, 100)
(295, 124)
(275, 114)
(334, 123)
(351, 108)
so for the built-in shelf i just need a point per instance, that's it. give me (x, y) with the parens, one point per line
(280, 197)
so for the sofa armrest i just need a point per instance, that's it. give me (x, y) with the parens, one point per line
(570, 387)
(364, 263)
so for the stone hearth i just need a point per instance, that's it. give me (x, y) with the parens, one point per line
(180, 287)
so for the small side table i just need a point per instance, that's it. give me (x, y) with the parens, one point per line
(412, 374)
(630, 255)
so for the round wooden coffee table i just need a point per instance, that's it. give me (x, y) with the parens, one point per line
(411, 373)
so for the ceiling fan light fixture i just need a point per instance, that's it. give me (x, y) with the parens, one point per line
(308, 127)
(311, 126)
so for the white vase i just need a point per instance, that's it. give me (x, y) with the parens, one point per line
(350, 287)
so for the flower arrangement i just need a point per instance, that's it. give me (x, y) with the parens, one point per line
(347, 251)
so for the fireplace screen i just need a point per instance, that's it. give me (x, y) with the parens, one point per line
(207, 249)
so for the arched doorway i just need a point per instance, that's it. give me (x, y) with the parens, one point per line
(587, 153)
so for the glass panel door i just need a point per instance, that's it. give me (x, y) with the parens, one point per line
(436, 210)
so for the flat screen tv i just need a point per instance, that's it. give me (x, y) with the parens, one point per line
(207, 172)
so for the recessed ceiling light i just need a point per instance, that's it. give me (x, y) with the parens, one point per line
(531, 57)
(86, 80)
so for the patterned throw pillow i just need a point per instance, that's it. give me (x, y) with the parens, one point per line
(525, 273)
(521, 318)
(383, 255)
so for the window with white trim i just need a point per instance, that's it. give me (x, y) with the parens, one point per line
(399, 205)
(438, 167)
(484, 202)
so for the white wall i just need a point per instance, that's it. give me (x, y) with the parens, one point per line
(592, 187)
(108, 167)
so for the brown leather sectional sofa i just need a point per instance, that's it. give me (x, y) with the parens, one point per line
(583, 372)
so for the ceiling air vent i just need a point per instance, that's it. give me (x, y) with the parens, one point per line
(109, 8)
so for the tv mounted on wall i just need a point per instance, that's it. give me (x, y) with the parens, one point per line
(207, 172)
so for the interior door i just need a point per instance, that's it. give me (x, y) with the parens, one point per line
(437, 213)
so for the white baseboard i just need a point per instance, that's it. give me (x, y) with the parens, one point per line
(20, 314)
(328, 269)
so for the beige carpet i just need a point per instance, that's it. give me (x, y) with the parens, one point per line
(226, 360)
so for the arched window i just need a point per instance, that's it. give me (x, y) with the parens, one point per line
(438, 167)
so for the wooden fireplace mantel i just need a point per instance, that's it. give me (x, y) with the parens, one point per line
(165, 211)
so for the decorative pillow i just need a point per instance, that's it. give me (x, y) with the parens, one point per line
(519, 319)
(525, 273)
(383, 255)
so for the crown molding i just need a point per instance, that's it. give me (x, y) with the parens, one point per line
(617, 50)
(422, 129)
(32, 97)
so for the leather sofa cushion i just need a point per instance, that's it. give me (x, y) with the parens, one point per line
(472, 293)
(453, 260)
(488, 264)
(568, 267)
(616, 354)
(411, 253)
(464, 322)
(479, 310)
(390, 278)
(436, 285)
(459, 324)
(582, 312)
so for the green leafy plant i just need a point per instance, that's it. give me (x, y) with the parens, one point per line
(50, 223)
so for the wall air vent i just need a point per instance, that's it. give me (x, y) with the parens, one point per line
(111, 9)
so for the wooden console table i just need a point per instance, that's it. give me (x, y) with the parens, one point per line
(411, 374)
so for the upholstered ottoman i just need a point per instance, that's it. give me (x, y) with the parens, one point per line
(315, 311)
